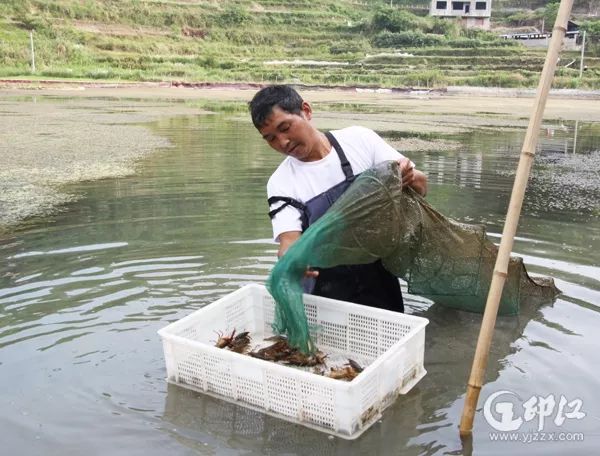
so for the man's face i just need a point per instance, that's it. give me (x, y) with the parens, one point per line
(291, 134)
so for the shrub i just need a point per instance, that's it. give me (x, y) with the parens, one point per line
(412, 39)
(550, 12)
(446, 27)
(395, 20)
(100, 73)
(592, 29)
(58, 73)
(233, 15)
(466, 43)
(497, 79)
(30, 22)
(10, 71)
(521, 18)
(227, 65)
(567, 82)
(14, 48)
(208, 61)
(345, 47)
(427, 78)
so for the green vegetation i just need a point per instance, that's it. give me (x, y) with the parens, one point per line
(328, 42)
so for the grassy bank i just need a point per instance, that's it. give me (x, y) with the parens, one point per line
(331, 42)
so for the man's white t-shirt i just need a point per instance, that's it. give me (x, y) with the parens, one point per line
(303, 181)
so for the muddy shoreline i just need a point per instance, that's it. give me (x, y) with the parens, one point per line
(47, 144)
(56, 133)
(42, 84)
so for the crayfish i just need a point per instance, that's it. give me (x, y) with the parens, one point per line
(238, 344)
(347, 372)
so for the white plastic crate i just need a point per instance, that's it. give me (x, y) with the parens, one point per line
(389, 344)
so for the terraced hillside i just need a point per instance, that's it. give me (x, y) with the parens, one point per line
(332, 42)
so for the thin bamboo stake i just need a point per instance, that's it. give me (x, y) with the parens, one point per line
(512, 219)
(32, 51)
(582, 55)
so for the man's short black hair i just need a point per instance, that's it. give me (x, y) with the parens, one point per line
(266, 98)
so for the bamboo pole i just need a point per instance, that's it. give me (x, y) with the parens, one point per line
(512, 218)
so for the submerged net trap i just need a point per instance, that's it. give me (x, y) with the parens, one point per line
(448, 262)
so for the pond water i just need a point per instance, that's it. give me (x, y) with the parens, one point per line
(82, 294)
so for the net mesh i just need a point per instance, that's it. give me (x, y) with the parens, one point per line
(451, 263)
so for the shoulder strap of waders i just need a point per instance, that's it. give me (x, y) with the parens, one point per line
(346, 168)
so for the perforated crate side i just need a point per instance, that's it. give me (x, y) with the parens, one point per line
(370, 397)
(268, 313)
(332, 336)
(415, 369)
(392, 331)
(318, 404)
(302, 397)
(268, 308)
(363, 335)
(239, 314)
(283, 394)
(250, 386)
(219, 378)
(330, 323)
(188, 366)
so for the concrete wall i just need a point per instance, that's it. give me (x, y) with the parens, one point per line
(542, 43)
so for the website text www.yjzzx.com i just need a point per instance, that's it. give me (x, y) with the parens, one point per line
(530, 437)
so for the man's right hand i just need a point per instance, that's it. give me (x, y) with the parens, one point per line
(285, 242)
(311, 273)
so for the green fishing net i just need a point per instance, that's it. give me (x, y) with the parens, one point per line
(448, 262)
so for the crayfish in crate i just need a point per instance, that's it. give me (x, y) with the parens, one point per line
(239, 343)
(281, 351)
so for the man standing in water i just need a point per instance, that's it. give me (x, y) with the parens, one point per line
(317, 169)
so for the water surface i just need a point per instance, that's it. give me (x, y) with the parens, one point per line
(82, 294)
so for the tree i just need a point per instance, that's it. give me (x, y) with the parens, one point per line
(550, 13)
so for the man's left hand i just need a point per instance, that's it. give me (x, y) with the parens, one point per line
(406, 171)
(412, 177)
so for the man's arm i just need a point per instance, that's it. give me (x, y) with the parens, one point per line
(412, 177)
(381, 151)
(285, 241)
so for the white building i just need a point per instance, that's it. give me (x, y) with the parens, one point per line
(471, 13)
